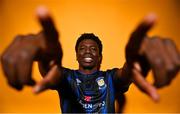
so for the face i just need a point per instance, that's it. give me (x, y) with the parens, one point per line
(88, 55)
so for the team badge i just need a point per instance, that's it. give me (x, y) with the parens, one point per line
(100, 82)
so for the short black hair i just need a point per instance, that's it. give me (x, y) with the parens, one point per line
(92, 37)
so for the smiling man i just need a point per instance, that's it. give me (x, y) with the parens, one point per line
(88, 89)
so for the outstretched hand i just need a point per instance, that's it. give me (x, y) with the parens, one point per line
(43, 47)
(144, 53)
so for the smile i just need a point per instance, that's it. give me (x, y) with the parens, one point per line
(88, 59)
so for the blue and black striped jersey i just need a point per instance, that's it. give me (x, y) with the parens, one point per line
(89, 93)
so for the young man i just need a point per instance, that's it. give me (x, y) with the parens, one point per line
(88, 89)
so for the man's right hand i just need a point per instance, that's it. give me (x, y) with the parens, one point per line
(43, 47)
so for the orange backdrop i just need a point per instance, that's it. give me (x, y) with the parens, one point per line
(112, 21)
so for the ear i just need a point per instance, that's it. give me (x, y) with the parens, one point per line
(100, 59)
(76, 57)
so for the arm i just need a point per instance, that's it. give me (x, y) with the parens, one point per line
(43, 47)
(144, 53)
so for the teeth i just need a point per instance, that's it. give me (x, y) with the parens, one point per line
(88, 59)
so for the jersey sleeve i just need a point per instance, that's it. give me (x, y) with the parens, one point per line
(64, 85)
(119, 85)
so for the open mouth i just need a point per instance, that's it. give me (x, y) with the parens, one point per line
(88, 59)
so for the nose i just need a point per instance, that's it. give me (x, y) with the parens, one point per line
(87, 50)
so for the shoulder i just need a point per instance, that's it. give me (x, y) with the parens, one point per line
(111, 71)
(67, 70)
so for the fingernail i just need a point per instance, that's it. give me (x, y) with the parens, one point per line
(137, 66)
(151, 18)
(155, 97)
(36, 89)
(42, 11)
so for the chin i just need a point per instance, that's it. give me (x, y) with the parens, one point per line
(88, 67)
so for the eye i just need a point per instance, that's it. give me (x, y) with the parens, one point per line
(93, 48)
(82, 48)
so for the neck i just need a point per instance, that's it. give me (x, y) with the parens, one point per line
(87, 71)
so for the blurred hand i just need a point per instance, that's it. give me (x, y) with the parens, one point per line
(161, 55)
(43, 47)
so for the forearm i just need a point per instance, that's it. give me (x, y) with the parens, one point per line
(123, 76)
(125, 73)
(43, 68)
(145, 66)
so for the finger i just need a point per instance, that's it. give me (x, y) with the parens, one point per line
(173, 52)
(139, 34)
(50, 81)
(142, 84)
(9, 61)
(26, 55)
(157, 63)
(159, 60)
(9, 68)
(24, 69)
(47, 24)
(174, 56)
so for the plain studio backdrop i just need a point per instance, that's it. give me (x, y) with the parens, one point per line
(112, 21)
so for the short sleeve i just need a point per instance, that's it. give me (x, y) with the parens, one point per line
(119, 85)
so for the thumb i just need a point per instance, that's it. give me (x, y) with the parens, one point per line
(49, 81)
(142, 84)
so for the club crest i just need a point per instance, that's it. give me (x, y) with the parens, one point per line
(101, 83)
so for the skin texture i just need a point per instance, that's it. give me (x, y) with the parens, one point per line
(88, 49)
(142, 54)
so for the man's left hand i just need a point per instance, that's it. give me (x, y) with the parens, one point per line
(158, 54)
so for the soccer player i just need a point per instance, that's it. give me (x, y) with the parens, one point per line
(88, 89)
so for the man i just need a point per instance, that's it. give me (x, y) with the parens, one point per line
(88, 89)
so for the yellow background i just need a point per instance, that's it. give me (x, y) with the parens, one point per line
(112, 21)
